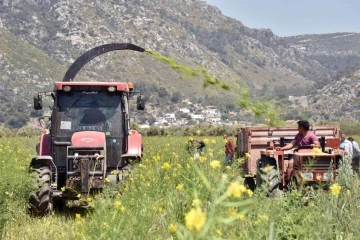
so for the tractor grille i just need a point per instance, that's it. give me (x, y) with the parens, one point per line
(317, 163)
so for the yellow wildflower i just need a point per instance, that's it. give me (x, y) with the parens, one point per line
(180, 186)
(166, 166)
(107, 180)
(257, 222)
(213, 141)
(104, 225)
(78, 216)
(202, 159)
(178, 166)
(117, 204)
(268, 168)
(172, 228)
(89, 199)
(218, 232)
(232, 212)
(196, 202)
(249, 192)
(78, 196)
(247, 155)
(215, 164)
(264, 217)
(62, 189)
(335, 189)
(228, 168)
(122, 209)
(317, 150)
(235, 189)
(198, 132)
(195, 219)
(242, 217)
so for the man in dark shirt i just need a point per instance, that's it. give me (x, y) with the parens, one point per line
(305, 137)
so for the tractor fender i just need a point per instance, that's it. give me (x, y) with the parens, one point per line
(134, 145)
(44, 147)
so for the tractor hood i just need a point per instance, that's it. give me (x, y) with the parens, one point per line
(88, 139)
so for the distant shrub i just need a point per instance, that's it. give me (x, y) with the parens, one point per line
(6, 132)
(199, 130)
(28, 132)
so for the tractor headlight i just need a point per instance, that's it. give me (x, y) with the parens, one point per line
(307, 176)
(66, 88)
(111, 89)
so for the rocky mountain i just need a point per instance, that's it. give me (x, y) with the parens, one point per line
(339, 52)
(41, 38)
(337, 100)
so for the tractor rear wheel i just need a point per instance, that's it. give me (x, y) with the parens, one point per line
(40, 201)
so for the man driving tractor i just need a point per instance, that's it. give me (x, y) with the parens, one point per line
(305, 137)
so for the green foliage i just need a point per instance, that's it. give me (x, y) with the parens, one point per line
(350, 127)
(193, 130)
(188, 72)
(157, 199)
(15, 182)
(28, 131)
(6, 132)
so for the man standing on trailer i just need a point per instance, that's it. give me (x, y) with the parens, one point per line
(305, 137)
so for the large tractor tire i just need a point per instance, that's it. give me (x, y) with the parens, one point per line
(40, 201)
(272, 180)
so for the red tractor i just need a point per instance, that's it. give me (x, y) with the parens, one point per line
(89, 141)
(265, 164)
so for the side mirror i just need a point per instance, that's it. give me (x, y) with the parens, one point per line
(140, 105)
(38, 102)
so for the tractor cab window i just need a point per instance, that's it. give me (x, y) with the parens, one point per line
(90, 111)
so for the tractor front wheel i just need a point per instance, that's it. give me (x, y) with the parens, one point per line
(40, 201)
(272, 179)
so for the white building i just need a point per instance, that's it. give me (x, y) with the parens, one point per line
(211, 110)
(197, 116)
(184, 110)
(170, 117)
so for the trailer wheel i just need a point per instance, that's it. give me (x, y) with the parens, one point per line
(249, 183)
(40, 201)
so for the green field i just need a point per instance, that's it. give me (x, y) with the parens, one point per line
(169, 195)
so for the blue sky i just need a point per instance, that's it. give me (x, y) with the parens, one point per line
(294, 17)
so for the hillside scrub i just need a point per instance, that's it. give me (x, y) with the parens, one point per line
(194, 130)
(172, 195)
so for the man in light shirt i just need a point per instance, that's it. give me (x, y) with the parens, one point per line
(356, 155)
(346, 146)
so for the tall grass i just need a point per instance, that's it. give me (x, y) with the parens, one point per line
(171, 195)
